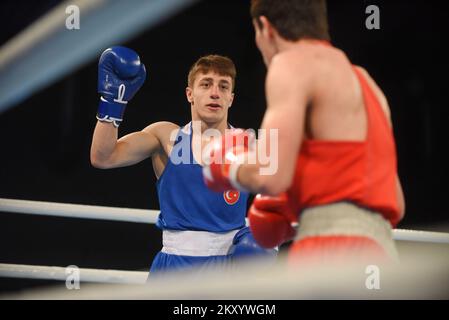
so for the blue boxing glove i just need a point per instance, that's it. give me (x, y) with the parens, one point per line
(120, 76)
(245, 246)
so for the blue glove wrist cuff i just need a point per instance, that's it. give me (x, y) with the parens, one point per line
(111, 111)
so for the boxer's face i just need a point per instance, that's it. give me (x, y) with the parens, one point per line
(211, 96)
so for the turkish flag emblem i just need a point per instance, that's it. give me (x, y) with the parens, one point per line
(231, 196)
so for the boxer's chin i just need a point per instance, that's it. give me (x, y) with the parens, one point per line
(210, 116)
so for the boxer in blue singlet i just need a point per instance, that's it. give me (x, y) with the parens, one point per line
(201, 228)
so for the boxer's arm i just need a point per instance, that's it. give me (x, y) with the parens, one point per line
(288, 90)
(108, 152)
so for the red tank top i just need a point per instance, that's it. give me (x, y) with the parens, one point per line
(363, 172)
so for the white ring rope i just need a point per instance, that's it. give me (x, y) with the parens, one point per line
(150, 216)
(124, 215)
(78, 211)
(420, 236)
(62, 273)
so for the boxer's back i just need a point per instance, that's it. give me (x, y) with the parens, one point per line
(344, 106)
(336, 111)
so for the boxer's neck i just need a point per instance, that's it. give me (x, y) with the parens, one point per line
(220, 126)
(284, 45)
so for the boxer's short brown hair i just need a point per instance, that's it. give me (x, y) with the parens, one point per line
(216, 63)
(294, 19)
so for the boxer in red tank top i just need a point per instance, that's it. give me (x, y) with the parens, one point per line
(336, 190)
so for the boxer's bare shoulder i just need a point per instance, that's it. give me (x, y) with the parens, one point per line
(162, 130)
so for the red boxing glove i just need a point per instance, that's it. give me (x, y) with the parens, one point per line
(222, 159)
(272, 220)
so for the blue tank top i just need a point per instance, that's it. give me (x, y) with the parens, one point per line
(185, 201)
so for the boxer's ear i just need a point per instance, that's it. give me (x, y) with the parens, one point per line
(266, 28)
(189, 95)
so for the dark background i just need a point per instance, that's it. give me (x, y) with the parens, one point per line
(45, 140)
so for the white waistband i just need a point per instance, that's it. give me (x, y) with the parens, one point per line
(197, 243)
(345, 218)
